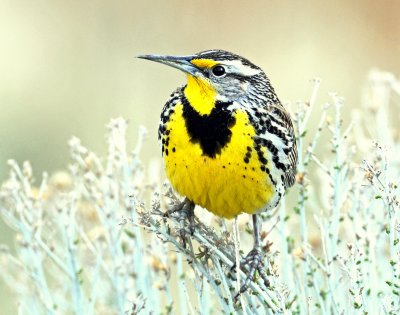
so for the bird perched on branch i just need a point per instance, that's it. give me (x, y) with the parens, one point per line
(227, 141)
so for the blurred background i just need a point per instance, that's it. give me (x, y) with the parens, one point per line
(67, 67)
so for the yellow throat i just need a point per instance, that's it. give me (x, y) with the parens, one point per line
(200, 94)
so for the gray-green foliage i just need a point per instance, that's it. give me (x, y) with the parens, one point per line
(93, 240)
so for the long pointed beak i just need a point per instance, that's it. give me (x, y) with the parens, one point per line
(180, 62)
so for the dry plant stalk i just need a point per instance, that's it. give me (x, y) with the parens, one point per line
(87, 242)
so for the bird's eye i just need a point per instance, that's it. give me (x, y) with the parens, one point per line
(218, 71)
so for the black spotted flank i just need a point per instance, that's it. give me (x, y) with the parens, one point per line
(211, 131)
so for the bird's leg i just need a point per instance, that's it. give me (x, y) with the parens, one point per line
(184, 212)
(254, 260)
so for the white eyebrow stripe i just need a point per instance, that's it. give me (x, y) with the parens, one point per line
(238, 67)
(210, 51)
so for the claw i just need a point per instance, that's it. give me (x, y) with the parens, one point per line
(252, 262)
(185, 212)
(264, 276)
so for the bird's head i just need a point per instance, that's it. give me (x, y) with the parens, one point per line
(217, 75)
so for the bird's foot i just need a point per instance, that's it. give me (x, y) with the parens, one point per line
(250, 264)
(184, 212)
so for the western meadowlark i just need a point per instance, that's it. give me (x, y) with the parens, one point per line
(227, 141)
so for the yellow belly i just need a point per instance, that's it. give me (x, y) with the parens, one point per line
(225, 185)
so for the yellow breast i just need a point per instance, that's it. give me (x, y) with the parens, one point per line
(232, 182)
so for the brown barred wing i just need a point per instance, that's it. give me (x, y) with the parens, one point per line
(280, 120)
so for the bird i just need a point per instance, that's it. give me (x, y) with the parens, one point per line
(227, 142)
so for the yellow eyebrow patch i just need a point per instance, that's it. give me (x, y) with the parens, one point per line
(204, 63)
